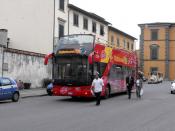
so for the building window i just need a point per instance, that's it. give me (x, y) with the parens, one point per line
(61, 6)
(61, 29)
(85, 23)
(94, 27)
(118, 42)
(102, 30)
(76, 20)
(154, 49)
(132, 46)
(128, 45)
(153, 70)
(112, 40)
(124, 43)
(154, 35)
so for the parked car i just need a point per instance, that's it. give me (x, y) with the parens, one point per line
(8, 89)
(173, 87)
(155, 77)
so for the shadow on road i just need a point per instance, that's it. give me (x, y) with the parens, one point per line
(83, 99)
(5, 102)
(77, 99)
(118, 94)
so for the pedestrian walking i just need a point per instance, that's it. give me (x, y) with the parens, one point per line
(129, 84)
(139, 89)
(49, 88)
(20, 85)
(97, 86)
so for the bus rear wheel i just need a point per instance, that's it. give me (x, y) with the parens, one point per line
(107, 92)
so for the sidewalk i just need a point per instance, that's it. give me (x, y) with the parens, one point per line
(32, 92)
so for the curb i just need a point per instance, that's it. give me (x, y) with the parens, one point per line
(30, 96)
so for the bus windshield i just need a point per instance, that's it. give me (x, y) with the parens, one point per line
(81, 41)
(72, 70)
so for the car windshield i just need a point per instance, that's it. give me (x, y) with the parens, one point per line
(83, 42)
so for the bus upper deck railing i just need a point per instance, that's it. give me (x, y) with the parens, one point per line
(99, 41)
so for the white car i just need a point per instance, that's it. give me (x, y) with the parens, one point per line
(173, 87)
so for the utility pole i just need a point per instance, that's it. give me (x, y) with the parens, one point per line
(3, 43)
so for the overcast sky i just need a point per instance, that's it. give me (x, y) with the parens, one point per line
(125, 15)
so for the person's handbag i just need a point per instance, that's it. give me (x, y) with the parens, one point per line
(141, 92)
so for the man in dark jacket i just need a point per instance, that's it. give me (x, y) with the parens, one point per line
(129, 84)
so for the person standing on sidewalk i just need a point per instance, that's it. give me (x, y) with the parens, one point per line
(20, 85)
(97, 86)
(129, 84)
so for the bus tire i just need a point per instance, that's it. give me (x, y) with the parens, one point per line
(107, 92)
(15, 97)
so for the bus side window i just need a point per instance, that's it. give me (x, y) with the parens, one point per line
(119, 72)
(113, 73)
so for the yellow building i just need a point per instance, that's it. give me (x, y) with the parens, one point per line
(157, 49)
(121, 39)
(138, 58)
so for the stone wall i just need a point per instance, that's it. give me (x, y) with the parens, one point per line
(26, 66)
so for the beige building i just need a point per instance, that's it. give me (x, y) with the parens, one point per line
(157, 48)
(70, 19)
(29, 24)
(30, 35)
(120, 39)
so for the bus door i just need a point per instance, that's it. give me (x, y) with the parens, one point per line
(120, 71)
(100, 68)
(115, 78)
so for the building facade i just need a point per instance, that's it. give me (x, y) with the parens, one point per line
(61, 18)
(29, 24)
(120, 39)
(70, 19)
(138, 59)
(157, 49)
(34, 26)
(83, 22)
(30, 36)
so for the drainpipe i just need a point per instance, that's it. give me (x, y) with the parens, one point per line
(2, 60)
(54, 25)
(167, 54)
(68, 21)
(68, 17)
(53, 37)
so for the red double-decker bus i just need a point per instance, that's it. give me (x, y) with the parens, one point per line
(78, 57)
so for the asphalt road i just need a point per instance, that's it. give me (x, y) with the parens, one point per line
(154, 112)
